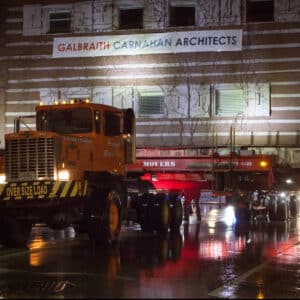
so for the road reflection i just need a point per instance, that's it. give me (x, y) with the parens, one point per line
(41, 237)
(191, 263)
(216, 237)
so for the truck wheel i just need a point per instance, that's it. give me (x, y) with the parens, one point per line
(104, 225)
(272, 208)
(162, 250)
(144, 215)
(146, 227)
(14, 233)
(281, 211)
(176, 211)
(161, 212)
(293, 206)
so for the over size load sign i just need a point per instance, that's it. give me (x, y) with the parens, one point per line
(42, 190)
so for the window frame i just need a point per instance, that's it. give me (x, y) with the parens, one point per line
(60, 20)
(51, 120)
(128, 9)
(55, 9)
(162, 112)
(225, 88)
(262, 18)
(180, 4)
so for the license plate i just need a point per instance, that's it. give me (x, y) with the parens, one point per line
(25, 176)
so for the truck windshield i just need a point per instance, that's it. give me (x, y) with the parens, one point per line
(65, 121)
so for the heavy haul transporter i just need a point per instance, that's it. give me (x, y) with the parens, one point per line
(71, 170)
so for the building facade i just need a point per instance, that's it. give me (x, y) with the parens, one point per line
(201, 75)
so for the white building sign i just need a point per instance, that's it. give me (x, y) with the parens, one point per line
(154, 43)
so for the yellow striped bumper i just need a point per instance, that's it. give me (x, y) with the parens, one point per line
(43, 190)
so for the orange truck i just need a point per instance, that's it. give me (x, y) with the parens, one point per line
(71, 170)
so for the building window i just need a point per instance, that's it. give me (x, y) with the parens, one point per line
(182, 16)
(59, 22)
(295, 156)
(229, 102)
(151, 105)
(131, 18)
(260, 11)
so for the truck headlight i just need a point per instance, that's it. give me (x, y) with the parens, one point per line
(63, 175)
(2, 178)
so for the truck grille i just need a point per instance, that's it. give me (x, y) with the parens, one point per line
(29, 159)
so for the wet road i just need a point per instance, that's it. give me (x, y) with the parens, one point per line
(213, 258)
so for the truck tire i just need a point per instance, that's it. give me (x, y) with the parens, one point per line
(14, 233)
(176, 211)
(162, 250)
(272, 208)
(293, 206)
(282, 210)
(144, 212)
(161, 213)
(104, 224)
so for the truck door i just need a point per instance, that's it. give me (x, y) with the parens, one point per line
(113, 142)
(129, 132)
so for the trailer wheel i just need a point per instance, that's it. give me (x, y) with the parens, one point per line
(144, 212)
(163, 250)
(282, 210)
(176, 211)
(272, 208)
(14, 233)
(293, 206)
(104, 225)
(146, 227)
(161, 213)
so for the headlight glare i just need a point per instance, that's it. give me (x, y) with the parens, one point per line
(282, 194)
(2, 178)
(63, 175)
